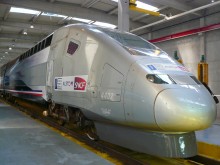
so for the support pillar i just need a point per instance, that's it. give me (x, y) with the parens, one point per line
(123, 15)
(202, 39)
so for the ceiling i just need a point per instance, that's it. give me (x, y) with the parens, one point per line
(14, 41)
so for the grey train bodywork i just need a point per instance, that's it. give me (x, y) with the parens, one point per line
(136, 95)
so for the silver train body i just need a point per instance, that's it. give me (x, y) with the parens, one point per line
(136, 95)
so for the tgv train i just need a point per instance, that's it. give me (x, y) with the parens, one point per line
(116, 86)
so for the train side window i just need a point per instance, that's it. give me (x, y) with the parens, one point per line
(35, 49)
(27, 54)
(48, 40)
(43, 44)
(39, 47)
(32, 51)
(72, 47)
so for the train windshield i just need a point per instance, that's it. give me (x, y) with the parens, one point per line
(134, 44)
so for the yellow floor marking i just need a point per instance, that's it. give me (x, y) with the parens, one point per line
(209, 150)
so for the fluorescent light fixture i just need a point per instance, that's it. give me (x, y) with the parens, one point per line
(146, 6)
(53, 15)
(23, 10)
(143, 5)
(104, 24)
(81, 20)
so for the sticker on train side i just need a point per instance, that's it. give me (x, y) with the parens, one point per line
(170, 67)
(71, 83)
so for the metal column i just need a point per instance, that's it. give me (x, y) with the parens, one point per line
(123, 15)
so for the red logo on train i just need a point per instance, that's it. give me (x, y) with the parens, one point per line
(79, 84)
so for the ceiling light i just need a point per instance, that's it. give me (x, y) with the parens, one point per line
(31, 26)
(6, 52)
(23, 10)
(213, 1)
(146, 6)
(81, 19)
(104, 24)
(143, 5)
(53, 15)
(10, 48)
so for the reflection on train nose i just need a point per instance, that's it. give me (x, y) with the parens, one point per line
(184, 110)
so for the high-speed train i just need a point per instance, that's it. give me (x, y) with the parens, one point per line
(116, 86)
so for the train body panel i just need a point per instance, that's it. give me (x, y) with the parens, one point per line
(116, 79)
(27, 78)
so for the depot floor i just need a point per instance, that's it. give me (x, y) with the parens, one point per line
(24, 141)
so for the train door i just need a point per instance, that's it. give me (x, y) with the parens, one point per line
(55, 68)
(49, 80)
(111, 94)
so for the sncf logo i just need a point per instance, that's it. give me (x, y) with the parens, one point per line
(79, 84)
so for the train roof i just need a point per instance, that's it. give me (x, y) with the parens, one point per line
(93, 27)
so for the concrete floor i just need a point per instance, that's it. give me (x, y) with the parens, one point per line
(24, 141)
(210, 135)
(208, 142)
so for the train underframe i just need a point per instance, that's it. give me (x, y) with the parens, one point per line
(63, 114)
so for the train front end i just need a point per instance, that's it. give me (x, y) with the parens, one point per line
(164, 104)
(164, 98)
(183, 103)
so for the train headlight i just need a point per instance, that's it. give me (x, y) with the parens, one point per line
(151, 78)
(160, 79)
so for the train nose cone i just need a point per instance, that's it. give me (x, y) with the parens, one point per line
(184, 110)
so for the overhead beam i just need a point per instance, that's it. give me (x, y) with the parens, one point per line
(6, 13)
(14, 50)
(85, 2)
(175, 4)
(18, 37)
(35, 17)
(66, 9)
(113, 11)
(145, 15)
(51, 1)
(64, 20)
(17, 45)
(9, 55)
(39, 27)
(92, 3)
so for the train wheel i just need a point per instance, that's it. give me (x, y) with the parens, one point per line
(91, 132)
(51, 107)
(61, 122)
(61, 115)
(80, 120)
